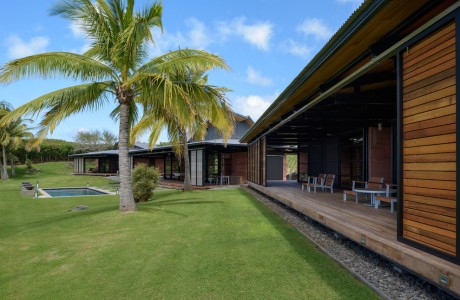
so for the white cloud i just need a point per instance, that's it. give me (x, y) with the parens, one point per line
(82, 49)
(295, 48)
(316, 28)
(18, 48)
(258, 34)
(255, 77)
(253, 105)
(77, 31)
(197, 37)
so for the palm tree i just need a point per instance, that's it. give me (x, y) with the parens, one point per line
(114, 66)
(5, 108)
(12, 136)
(209, 107)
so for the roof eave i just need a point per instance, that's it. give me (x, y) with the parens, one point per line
(354, 22)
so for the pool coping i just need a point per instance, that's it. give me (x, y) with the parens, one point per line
(44, 194)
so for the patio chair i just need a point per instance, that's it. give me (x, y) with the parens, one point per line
(329, 183)
(318, 182)
(388, 198)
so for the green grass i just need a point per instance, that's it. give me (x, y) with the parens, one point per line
(219, 244)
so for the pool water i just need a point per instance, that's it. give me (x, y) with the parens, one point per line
(69, 192)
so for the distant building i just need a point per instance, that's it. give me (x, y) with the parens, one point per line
(209, 159)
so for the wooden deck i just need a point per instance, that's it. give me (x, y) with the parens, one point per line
(373, 228)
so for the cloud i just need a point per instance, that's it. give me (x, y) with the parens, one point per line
(18, 48)
(258, 34)
(316, 28)
(77, 31)
(253, 105)
(200, 36)
(255, 77)
(86, 46)
(295, 48)
(197, 37)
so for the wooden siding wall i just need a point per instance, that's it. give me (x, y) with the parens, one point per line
(160, 164)
(429, 141)
(257, 162)
(237, 166)
(380, 150)
(141, 160)
(303, 161)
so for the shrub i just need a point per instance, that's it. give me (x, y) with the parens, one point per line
(145, 180)
(29, 164)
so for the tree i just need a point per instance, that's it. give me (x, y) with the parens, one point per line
(12, 135)
(95, 140)
(5, 107)
(209, 107)
(115, 66)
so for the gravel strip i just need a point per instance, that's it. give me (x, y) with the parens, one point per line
(376, 271)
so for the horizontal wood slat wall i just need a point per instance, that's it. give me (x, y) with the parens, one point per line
(429, 141)
(256, 162)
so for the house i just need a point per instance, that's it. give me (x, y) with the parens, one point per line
(379, 99)
(210, 158)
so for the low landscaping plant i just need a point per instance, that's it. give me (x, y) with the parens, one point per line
(145, 180)
(29, 164)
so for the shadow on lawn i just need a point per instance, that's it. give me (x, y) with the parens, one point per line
(146, 208)
(183, 201)
(157, 205)
(300, 244)
(63, 216)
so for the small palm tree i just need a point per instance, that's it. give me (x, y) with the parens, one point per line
(12, 136)
(115, 66)
(209, 107)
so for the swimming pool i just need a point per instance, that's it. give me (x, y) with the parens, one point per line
(71, 192)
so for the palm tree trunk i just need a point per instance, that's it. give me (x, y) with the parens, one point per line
(5, 166)
(13, 170)
(126, 193)
(187, 184)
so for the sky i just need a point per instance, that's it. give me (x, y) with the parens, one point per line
(266, 43)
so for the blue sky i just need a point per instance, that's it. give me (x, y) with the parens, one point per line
(265, 42)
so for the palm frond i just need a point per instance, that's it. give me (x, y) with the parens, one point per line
(184, 59)
(157, 91)
(50, 64)
(62, 103)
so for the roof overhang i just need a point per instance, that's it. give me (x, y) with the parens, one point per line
(356, 41)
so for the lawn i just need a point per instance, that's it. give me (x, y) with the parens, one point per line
(220, 244)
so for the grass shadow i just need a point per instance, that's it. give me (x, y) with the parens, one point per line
(66, 215)
(145, 208)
